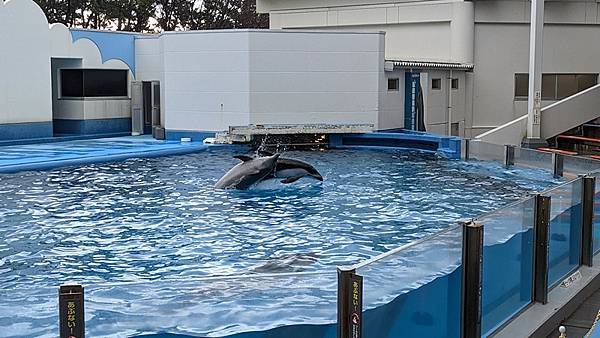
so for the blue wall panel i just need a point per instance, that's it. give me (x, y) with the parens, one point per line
(196, 136)
(91, 127)
(112, 45)
(30, 130)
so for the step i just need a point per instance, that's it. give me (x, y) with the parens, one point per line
(579, 139)
(558, 151)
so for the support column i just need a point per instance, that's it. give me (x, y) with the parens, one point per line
(472, 276)
(587, 220)
(534, 100)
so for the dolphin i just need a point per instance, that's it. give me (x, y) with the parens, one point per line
(247, 173)
(292, 170)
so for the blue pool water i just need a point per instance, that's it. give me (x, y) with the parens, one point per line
(147, 236)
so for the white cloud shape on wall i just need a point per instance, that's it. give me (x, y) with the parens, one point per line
(27, 44)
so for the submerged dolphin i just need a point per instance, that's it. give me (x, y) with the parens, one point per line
(247, 173)
(292, 170)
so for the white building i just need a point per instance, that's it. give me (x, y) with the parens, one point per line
(491, 35)
(56, 81)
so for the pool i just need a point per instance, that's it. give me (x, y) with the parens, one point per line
(149, 238)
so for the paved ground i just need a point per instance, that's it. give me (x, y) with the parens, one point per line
(582, 319)
(53, 155)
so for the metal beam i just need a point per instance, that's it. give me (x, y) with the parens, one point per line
(472, 261)
(540, 251)
(534, 100)
(587, 226)
(349, 312)
(71, 311)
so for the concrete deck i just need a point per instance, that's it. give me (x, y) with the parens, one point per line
(581, 321)
(543, 320)
(52, 155)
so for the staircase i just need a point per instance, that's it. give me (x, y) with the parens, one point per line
(571, 126)
(582, 140)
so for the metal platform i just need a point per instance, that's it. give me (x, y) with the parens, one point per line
(244, 134)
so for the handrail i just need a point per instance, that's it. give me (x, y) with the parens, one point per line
(557, 117)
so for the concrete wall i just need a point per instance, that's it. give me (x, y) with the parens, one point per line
(211, 80)
(422, 30)
(391, 110)
(205, 80)
(29, 100)
(25, 91)
(302, 77)
(494, 35)
(567, 49)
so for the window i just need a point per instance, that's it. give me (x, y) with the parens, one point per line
(454, 83)
(93, 82)
(548, 86)
(436, 83)
(521, 86)
(394, 85)
(555, 86)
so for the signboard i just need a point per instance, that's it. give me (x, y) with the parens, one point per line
(71, 312)
(355, 313)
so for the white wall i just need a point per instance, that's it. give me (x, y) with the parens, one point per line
(25, 86)
(205, 80)
(28, 45)
(211, 80)
(424, 30)
(302, 77)
(392, 104)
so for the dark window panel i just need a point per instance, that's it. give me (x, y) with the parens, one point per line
(521, 85)
(71, 82)
(567, 85)
(104, 83)
(585, 81)
(436, 83)
(454, 83)
(393, 84)
(548, 87)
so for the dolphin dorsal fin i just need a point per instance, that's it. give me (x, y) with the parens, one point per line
(243, 158)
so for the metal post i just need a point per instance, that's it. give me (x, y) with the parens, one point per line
(71, 311)
(540, 250)
(467, 148)
(534, 101)
(349, 313)
(509, 155)
(472, 259)
(557, 164)
(587, 220)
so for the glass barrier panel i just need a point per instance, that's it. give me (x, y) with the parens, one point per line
(484, 151)
(204, 307)
(565, 231)
(525, 157)
(576, 165)
(596, 219)
(414, 291)
(507, 285)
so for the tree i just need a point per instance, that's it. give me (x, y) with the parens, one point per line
(138, 15)
(248, 18)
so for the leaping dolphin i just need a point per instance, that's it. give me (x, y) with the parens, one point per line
(247, 173)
